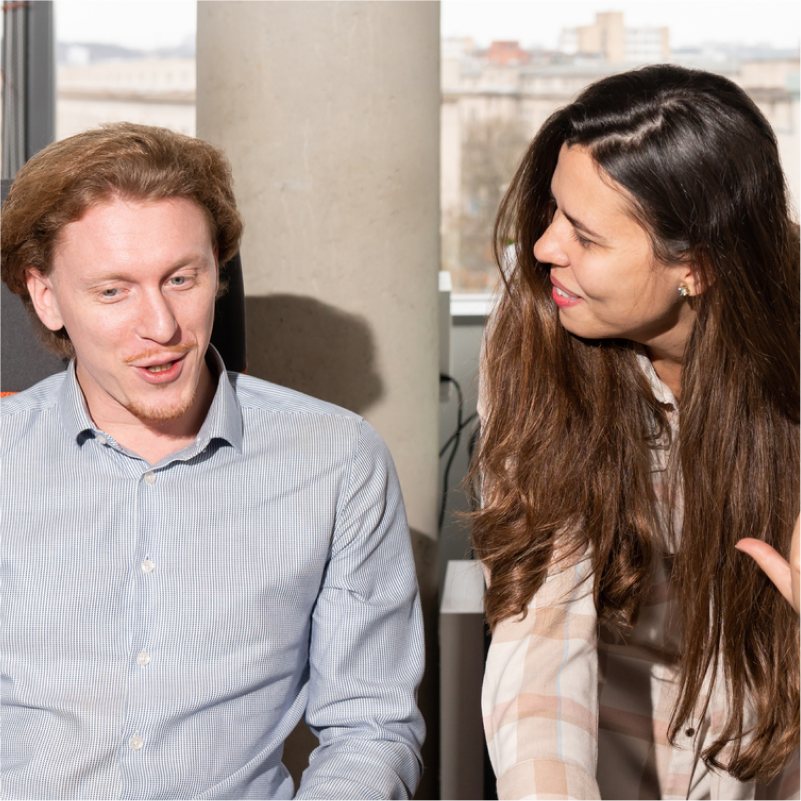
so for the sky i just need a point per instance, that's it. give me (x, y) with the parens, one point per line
(137, 24)
(150, 24)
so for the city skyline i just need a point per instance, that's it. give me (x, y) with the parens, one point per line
(130, 23)
(691, 22)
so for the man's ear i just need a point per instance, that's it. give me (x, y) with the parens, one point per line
(40, 288)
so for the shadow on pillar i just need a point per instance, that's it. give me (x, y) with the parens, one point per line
(426, 559)
(312, 347)
(302, 343)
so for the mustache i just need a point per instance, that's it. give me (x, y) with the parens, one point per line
(174, 350)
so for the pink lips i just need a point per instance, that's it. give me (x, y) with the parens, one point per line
(563, 300)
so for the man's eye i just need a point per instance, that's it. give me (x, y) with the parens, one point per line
(110, 293)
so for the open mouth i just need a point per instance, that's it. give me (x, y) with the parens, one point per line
(162, 372)
(159, 368)
(562, 298)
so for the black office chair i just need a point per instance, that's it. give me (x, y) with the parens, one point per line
(24, 361)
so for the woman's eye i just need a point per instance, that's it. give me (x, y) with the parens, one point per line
(585, 243)
(179, 280)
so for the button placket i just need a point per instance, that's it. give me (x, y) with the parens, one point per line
(143, 657)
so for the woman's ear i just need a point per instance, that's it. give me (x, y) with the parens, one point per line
(40, 288)
(695, 279)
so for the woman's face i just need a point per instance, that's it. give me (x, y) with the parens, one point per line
(606, 281)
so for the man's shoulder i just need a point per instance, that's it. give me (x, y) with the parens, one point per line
(302, 421)
(264, 396)
(30, 412)
(38, 398)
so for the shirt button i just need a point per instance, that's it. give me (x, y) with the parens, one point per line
(143, 658)
(102, 440)
(148, 566)
(150, 478)
(136, 742)
(690, 732)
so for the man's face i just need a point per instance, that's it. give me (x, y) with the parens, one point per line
(134, 285)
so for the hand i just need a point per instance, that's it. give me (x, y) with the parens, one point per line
(783, 574)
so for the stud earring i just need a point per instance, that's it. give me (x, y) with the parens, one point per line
(684, 291)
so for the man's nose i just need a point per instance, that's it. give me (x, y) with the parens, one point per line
(157, 320)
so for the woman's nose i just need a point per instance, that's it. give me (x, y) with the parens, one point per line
(549, 249)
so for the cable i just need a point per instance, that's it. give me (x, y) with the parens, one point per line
(457, 433)
(455, 438)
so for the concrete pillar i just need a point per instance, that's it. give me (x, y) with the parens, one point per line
(451, 152)
(329, 113)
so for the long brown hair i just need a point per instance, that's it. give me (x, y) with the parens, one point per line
(570, 423)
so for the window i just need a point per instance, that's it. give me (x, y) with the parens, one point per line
(129, 60)
(483, 142)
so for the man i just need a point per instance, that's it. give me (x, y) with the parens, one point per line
(192, 559)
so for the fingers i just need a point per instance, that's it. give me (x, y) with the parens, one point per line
(775, 566)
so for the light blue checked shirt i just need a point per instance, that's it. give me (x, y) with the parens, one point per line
(165, 627)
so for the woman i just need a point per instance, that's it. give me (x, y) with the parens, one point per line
(641, 394)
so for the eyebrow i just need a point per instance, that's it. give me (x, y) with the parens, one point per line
(578, 224)
(583, 228)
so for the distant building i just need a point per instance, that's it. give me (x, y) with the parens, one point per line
(611, 40)
(506, 53)
(150, 91)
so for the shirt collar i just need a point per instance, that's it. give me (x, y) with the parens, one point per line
(660, 389)
(223, 421)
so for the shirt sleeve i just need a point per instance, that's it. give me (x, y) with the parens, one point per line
(366, 651)
(540, 694)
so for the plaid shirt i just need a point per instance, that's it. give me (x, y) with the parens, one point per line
(573, 710)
